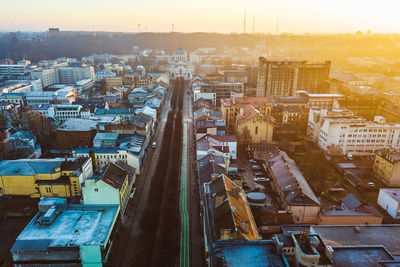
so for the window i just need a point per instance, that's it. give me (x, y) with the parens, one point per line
(96, 190)
(256, 130)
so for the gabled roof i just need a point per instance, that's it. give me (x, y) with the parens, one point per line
(208, 166)
(229, 209)
(209, 112)
(141, 119)
(114, 175)
(207, 102)
(207, 142)
(250, 112)
(295, 189)
(225, 138)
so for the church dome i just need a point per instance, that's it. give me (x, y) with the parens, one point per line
(180, 51)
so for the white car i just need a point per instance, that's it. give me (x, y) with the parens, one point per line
(261, 179)
(256, 167)
(154, 145)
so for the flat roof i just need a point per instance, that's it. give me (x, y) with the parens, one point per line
(360, 256)
(29, 166)
(369, 235)
(243, 254)
(112, 136)
(77, 225)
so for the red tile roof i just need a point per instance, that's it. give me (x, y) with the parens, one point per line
(225, 138)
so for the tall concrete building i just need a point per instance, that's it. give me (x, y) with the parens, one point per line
(47, 77)
(285, 77)
(75, 72)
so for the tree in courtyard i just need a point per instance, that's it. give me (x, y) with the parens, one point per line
(41, 127)
(245, 135)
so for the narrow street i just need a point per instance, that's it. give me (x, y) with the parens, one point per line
(195, 240)
(128, 242)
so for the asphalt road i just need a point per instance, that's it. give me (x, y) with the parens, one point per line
(196, 250)
(128, 242)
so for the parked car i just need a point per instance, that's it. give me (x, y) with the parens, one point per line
(154, 145)
(252, 161)
(256, 167)
(261, 179)
(240, 170)
(237, 176)
(259, 174)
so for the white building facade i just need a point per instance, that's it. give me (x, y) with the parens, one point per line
(355, 135)
(48, 77)
(389, 200)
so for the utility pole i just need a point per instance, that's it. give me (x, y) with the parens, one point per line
(139, 27)
(244, 22)
(173, 27)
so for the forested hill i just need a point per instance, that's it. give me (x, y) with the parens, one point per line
(78, 44)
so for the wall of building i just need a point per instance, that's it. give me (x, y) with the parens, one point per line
(261, 129)
(349, 220)
(304, 213)
(389, 204)
(99, 193)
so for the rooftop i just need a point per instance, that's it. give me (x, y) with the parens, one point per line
(249, 111)
(240, 101)
(290, 179)
(106, 136)
(31, 166)
(341, 76)
(77, 225)
(393, 192)
(250, 253)
(78, 124)
(114, 175)
(369, 235)
(369, 256)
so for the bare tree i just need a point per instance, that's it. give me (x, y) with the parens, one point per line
(246, 136)
(42, 128)
(3, 120)
(15, 118)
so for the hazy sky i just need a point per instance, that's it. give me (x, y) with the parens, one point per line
(297, 16)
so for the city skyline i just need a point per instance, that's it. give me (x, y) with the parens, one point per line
(309, 16)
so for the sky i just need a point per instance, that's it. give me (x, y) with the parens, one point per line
(226, 16)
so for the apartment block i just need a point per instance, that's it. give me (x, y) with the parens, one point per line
(285, 77)
(343, 134)
(387, 167)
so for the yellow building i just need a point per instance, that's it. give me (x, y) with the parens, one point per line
(252, 126)
(230, 108)
(44, 177)
(387, 167)
(112, 82)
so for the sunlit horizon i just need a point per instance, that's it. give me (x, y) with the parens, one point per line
(308, 16)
